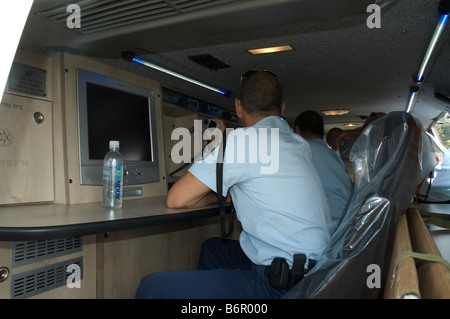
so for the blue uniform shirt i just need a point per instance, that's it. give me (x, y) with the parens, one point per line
(276, 191)
(335, 180)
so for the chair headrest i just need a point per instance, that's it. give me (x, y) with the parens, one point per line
(390, 143)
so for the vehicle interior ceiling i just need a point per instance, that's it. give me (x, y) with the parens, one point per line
(337, 61)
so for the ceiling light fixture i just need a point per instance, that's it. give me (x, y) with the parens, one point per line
(130, 56)
(335, 112)
(412, 98)
(274, 49)
(431, 46)
(411, 102)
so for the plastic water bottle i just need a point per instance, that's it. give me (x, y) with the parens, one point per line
(113, 177)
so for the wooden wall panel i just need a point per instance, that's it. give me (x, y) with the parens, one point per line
(130, 255)
(26, 150)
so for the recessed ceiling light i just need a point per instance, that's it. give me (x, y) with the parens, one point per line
(335, 112)
(274, 49)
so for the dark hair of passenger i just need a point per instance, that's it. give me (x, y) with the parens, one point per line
(333, 136)
(261, 93)
(310, 122)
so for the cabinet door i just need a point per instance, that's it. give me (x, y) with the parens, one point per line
(26, 150)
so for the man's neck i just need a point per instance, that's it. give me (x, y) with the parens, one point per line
(249, 120)
(307, 135)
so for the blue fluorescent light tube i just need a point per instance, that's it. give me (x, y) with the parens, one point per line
(185, 78)
(434, 39)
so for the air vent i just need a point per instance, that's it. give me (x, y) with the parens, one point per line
(27, 252)
(101, 15)
(36, 281)
(208, 61)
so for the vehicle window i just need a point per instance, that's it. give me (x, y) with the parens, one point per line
(437, 186)
(442, 128)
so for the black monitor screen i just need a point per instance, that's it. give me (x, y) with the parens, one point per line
(121, 116)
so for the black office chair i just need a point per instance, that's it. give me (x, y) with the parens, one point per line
(386, 159)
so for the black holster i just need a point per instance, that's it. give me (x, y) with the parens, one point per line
(281, 277)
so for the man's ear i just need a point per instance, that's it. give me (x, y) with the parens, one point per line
(283, 105)
(238, 107)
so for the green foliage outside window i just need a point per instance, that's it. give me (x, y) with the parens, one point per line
(443, 129)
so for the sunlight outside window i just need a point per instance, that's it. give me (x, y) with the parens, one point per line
(442, 127)
(15, 14)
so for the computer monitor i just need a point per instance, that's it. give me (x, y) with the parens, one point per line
(112, 109)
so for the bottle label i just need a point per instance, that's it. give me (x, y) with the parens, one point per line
(118, 180)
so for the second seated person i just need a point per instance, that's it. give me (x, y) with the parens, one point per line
(333, 174)
(279, 201)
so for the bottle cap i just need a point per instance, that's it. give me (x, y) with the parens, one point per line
(114, 143)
